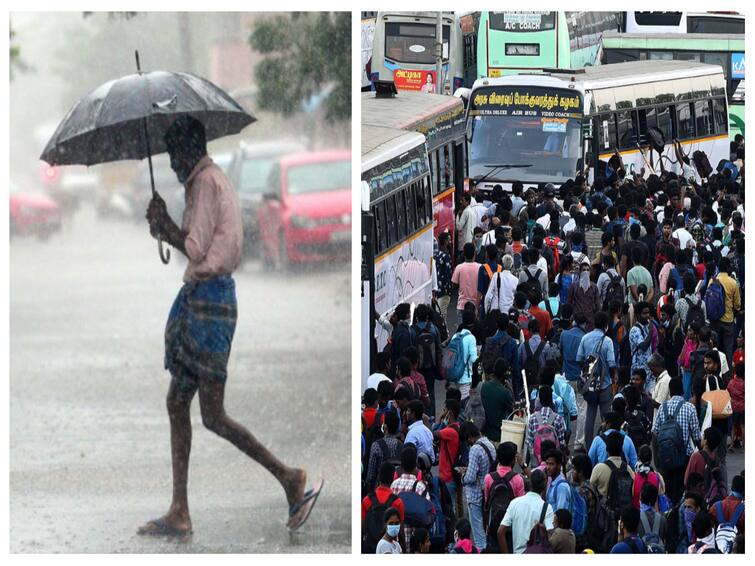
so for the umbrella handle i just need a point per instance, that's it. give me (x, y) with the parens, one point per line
(164, 254)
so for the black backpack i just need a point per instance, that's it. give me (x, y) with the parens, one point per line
(492, 351)
(373, 525)
(715, 487)
(531, 361)
(386, 452)
(600, 535)
(702, 164)
(426, 346)
(695, 314)
(614, 291)
(637, 426)
(500, 495)
(620, 487)
(532, 284)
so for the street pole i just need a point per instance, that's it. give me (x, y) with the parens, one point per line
(439, 54)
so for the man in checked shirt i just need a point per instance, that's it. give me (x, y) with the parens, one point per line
(202, 322)
(408, 482)
(482, 461)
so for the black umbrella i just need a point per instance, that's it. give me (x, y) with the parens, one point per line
(127, 118)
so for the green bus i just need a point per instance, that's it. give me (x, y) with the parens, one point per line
(513, 42)
(724, 50)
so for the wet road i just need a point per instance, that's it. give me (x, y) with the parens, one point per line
(89, 446)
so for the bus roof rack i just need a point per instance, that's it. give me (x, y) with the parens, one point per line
(551, 70)
(385, 89)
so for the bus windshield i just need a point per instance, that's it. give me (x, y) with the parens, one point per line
(538, 130)
(408, 42)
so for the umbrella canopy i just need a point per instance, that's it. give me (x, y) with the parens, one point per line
(108, 123)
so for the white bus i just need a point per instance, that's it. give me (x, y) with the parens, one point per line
(397, 228)
(543, 128)
(683, 22)
(403, 51)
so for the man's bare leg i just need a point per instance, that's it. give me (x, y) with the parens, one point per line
(179, 412)
(211, 395)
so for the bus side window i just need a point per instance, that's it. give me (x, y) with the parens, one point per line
(411, 208)
(647, 120)
(685, 122)
(719, 115)
(427, 200)
(663, 119)
(458, 165)
(448, 167)
(702, 117)
(380, 227)
(626, 129)
(390, 215)
(401, 214)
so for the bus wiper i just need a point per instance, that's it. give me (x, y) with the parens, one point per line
(496, 168)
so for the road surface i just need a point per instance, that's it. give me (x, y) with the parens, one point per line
(89, 446)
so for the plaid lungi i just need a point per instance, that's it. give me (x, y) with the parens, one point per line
(200, 330)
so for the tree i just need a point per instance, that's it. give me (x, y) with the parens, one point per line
(16, 63)
(305, 53)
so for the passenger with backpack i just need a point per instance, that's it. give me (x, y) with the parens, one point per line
(599, 449)
(428, 343)
(460, 355)
(646, 474)
(525, 516)
(501, 487)
(652, 526)
(531, 358)
(463, 533)
(676, 431)
(613, 478)
(500, 345)
(544, 425)
(596, 355)
(402, 336)
(611, 286)
(630, 542)
(374, 507)
(482, 461)
(691, 307)
(596, 525)
(706, 463)
(385, 449)
(729, 516)
(724, 289)
(533, 277)
(418, 510)
(705, 537)
(500, 293)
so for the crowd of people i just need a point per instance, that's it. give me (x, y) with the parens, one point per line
(582, 393)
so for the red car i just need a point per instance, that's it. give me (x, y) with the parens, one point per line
(33, 214)
(307, 215)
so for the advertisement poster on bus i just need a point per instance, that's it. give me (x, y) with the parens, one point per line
(412, 79)
(737, 65)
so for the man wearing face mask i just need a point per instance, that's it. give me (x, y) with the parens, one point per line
(202, 322)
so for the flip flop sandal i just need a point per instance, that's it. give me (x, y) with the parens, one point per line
(162, 528)
(305, 504)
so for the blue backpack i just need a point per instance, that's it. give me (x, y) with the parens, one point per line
(454, 363)
(418, 510)
(672, 451)
(578, 512)
(714, 300)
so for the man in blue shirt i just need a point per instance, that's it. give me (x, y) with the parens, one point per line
(597, 344)
(559, 492)
(569, 346)
(630, 542)
(611, 425)
(418, 433)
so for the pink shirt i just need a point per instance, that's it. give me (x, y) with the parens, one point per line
(517, 482)
(212, 220)
(465, 276)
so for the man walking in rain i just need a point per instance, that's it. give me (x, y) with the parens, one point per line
(202, 321)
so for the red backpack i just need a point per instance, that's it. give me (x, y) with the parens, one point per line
(553, 243)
